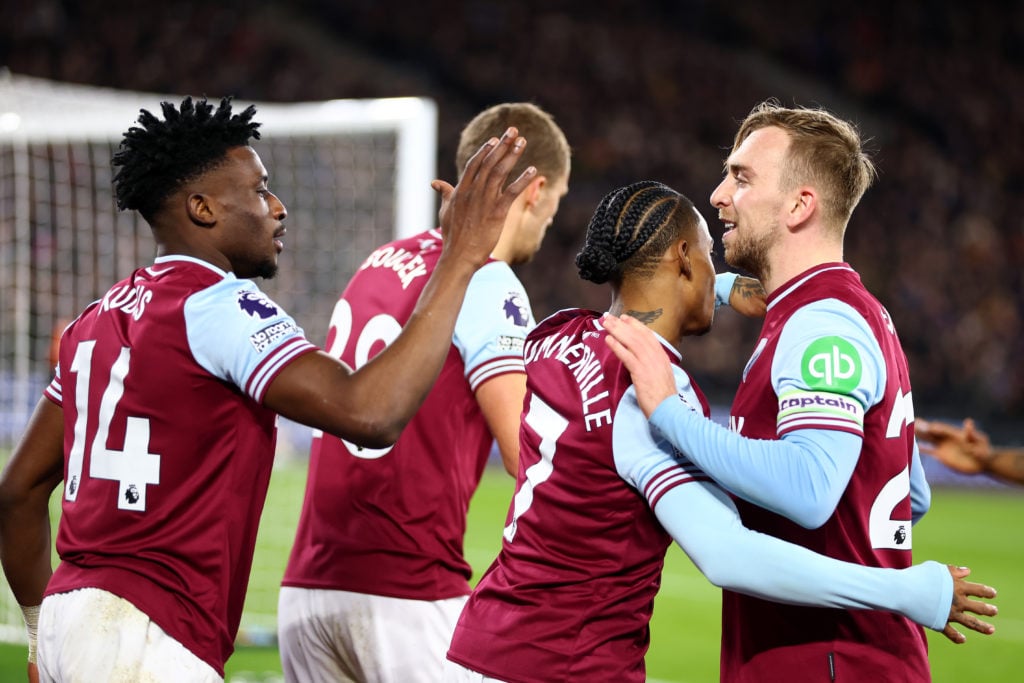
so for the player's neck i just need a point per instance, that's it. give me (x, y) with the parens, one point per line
(506, 249)
(660, 319)
(787, 263)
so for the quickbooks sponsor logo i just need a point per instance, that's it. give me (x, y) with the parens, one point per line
(831, 363)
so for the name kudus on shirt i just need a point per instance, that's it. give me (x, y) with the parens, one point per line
(127, 299)
(407, 265)
(586, 369)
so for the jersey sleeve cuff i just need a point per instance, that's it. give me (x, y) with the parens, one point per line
(723, 287)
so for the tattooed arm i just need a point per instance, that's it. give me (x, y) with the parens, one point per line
(748, 297)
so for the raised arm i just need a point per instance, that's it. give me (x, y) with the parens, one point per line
(372, 405)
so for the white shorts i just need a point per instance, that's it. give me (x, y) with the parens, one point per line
(329, 635)
(456, 673)
(90, 635)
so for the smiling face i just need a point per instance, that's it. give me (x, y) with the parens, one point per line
(248, 215)
(750, 200)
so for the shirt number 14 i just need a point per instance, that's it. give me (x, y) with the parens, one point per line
(133, 467)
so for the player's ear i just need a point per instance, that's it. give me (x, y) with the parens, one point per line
(532, 191)
(199, 210)
(804, 204)
(681, 254)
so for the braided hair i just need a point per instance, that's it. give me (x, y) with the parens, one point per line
(157, 157)
(631, 229)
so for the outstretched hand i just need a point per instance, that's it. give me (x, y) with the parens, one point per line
(963, 449)
(963, 605)
(473, 212)
(641, 352)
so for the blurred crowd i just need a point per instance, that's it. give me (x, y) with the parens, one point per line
(654, 90)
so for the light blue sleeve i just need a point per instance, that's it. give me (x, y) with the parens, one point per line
(493, 323)
(634, 440)
(736, 558)
(802, 475)
(827, 350)
(703, 520)
(920, 491)
(723, 288)
(772, 474)
(236, 333)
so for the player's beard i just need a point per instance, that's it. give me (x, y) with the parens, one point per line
(752, 253)
(266, 270)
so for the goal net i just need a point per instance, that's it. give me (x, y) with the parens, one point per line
(352, 173)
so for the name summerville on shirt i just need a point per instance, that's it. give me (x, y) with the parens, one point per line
(586, 369)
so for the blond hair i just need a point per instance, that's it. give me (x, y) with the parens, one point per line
(546, 146)
(825, 151)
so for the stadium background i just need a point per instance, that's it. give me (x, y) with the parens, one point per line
(654, 90)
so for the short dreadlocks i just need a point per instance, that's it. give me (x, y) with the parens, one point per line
(157, 157)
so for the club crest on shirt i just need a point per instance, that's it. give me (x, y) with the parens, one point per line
(515, 310)
(256, 304)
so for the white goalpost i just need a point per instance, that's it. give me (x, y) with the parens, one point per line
(352, 173)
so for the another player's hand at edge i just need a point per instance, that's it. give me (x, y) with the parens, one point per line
(473, 212)
(963, 605)
(964, 449)
(640, 351)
